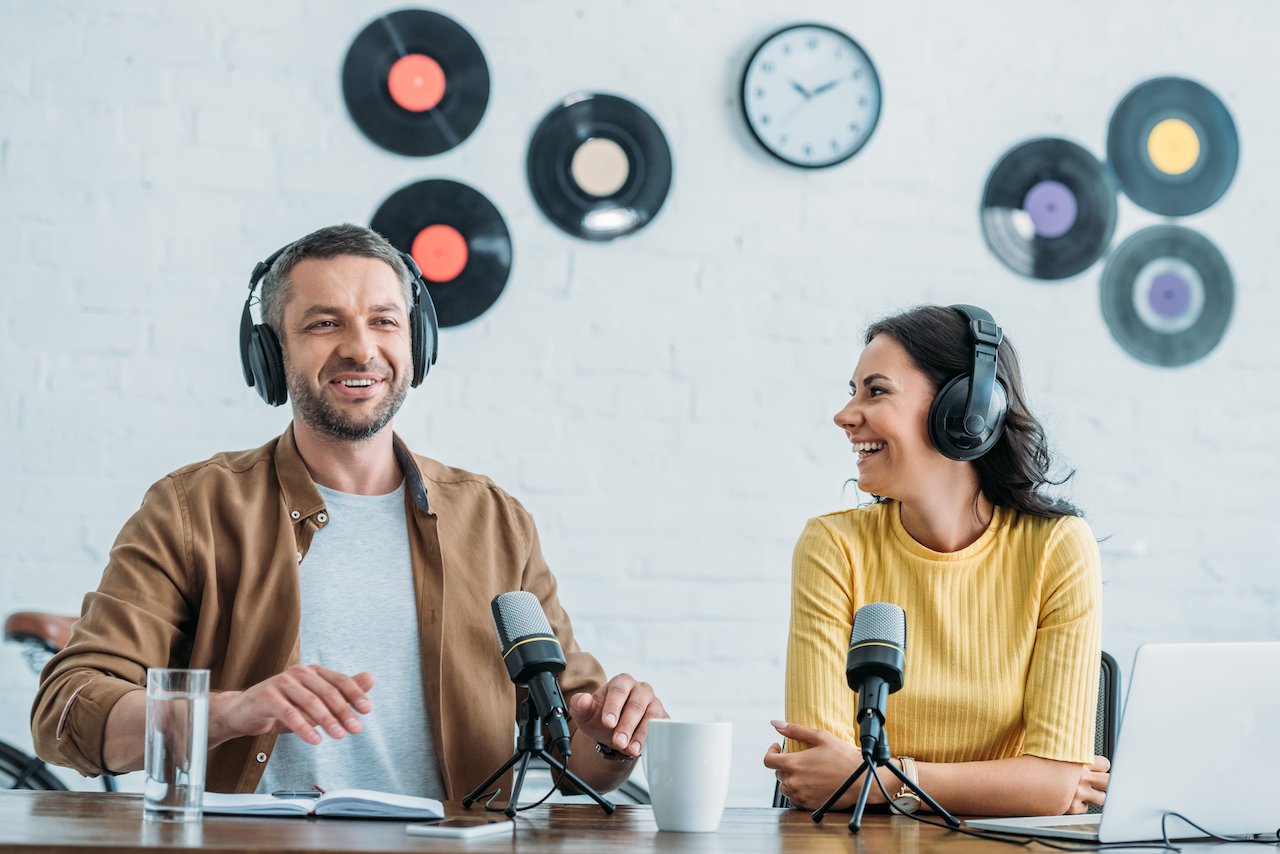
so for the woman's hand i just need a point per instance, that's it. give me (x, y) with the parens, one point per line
(809, 777)
(1092, 788)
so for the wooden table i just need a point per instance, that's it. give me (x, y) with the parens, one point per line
(52, 822)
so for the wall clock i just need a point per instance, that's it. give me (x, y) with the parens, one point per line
(811, 95)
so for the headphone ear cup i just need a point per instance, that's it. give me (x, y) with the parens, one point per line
(946, 419)
(424, 333)
(266, 361)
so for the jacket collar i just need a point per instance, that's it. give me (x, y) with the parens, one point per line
(299, 490)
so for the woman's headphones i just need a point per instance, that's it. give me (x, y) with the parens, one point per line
(263, 361)
(967, 415)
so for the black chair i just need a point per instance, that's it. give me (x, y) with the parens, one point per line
(1104, 734)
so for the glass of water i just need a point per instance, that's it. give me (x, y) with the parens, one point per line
(176, 744)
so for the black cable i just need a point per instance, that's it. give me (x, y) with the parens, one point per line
(1164, 831)
(555, 785)
(1013, 839)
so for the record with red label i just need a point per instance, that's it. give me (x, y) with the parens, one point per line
(1167, 295)
(415, 82)
(599, 166)
(1173, 146)
(1048, 209)
(458, 239)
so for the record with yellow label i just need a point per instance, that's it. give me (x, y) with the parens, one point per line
(1173, 146)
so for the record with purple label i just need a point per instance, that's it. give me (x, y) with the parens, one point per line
(458, 239)
(415, 82)
(1167, 295)
(1173, 146)
(1048, 209)
(599, 166)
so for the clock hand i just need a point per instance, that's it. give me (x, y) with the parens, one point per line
(827, 86)
(803, 91)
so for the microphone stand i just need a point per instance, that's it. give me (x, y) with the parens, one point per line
(870, 761)
(530, 743)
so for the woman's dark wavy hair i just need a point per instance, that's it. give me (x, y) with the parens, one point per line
(1015, 472)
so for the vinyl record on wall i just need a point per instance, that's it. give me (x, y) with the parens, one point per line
(415, 82)
(1173, 146)
(1048, 209)
(599, 166)
(459, 240)
(1167, 295)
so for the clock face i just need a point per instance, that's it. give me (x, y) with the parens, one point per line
(811, 95)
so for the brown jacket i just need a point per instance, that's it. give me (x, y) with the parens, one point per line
(205, 575)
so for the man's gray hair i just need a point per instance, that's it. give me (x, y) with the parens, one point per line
(328, 242)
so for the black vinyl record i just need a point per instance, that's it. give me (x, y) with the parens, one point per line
(599, 166)
(1167, 295)
(1173, 146)
(415, 82)
(459, 240)
(1048, 209)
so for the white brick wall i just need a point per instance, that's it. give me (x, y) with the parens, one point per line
(661, 404)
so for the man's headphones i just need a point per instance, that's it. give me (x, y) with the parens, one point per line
(263, 360)
(967, 415)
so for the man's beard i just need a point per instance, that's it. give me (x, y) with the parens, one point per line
(321, 415)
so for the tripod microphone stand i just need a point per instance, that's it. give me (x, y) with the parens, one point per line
(530, 743)
(870, 761)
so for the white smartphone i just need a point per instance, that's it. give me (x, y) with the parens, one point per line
(462, 828)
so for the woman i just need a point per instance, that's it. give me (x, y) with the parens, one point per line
(1000, 584)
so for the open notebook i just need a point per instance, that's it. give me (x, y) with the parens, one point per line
(341, 803)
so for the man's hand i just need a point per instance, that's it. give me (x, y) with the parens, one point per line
(618, 714)
(1092, 788)
(809, 777)
(299, 700)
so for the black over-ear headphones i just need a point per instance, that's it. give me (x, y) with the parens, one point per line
(967, 415)
(263, 360)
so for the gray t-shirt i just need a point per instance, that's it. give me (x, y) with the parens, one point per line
(358, 614)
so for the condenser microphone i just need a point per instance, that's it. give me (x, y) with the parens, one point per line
(533, 657)
(877, 654)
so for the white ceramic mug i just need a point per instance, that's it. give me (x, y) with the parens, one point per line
(688, 764)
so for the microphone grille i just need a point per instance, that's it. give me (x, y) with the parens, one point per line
(879, 621)
(518, 614)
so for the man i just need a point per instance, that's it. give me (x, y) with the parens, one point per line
(336, 585)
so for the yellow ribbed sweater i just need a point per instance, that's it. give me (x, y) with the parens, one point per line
(1003, 637)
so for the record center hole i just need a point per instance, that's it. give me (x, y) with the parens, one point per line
(1173, 146)
(441, 253)
(416, 83)
(600, 167)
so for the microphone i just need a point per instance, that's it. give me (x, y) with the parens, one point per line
(877, 655)
(533, 657)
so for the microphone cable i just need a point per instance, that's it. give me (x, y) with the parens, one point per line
(555, 785)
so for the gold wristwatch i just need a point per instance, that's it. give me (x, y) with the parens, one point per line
(907, 801)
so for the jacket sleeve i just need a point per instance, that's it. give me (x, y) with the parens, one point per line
(582, 672)
(137, 618)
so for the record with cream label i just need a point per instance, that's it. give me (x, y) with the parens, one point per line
(1048, 209)
(1173, 146)
(415, 82)
(458, 239)
(599, 166)
(1167, 295)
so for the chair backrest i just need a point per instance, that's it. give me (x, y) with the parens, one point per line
(1104, 734)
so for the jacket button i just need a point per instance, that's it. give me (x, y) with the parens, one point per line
(321, 518)
(262, 757)
(295, 515)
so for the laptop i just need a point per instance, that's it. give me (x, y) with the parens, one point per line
(1197, 715)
